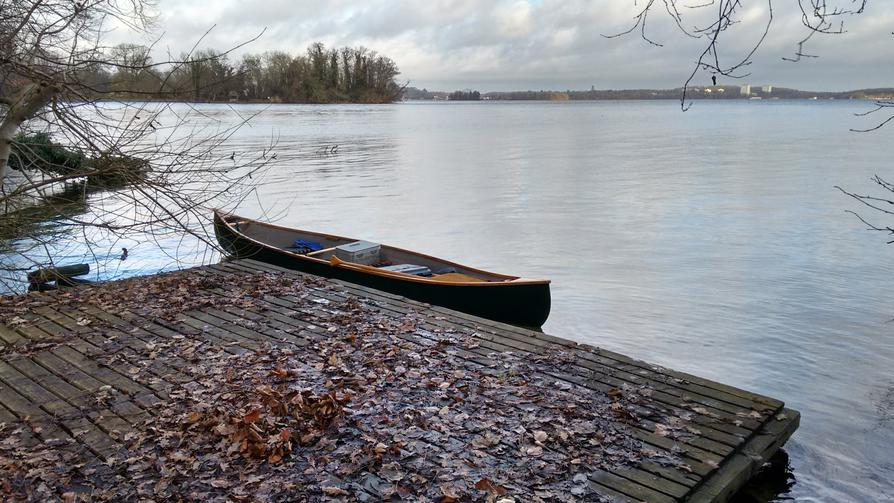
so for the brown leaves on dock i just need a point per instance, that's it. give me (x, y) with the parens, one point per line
(159, 296)
(353, 404)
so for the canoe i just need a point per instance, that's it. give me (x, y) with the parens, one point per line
(508, 299)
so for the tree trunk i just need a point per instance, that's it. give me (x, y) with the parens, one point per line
(22, 107)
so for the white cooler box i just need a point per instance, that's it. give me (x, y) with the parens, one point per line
(359, 252)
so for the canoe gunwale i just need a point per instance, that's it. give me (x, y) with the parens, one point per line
(224, 219)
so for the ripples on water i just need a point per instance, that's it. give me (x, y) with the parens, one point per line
(711, 241)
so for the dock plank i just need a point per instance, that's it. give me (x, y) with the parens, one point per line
(53, 364)
(69, 417)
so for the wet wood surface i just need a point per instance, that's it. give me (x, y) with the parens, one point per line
(58, 387)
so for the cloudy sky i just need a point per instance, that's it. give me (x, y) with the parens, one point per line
(540, 44)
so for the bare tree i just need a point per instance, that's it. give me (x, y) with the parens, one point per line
(161, 177)
(709, 21)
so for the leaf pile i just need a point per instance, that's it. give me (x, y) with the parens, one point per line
(362, 405)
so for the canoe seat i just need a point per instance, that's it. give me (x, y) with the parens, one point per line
(415, 270)
(457, 277)
(324, 251)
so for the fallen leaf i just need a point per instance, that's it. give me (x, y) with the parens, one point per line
(334, 491)
(490, 487)
(391, 472)
(450, 493)
(252, 416)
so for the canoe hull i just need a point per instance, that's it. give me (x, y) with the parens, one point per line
(522, 304)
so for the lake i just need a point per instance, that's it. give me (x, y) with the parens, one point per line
(712, 241)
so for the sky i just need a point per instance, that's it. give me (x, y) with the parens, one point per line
(538, 44)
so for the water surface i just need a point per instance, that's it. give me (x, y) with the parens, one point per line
(711, 241)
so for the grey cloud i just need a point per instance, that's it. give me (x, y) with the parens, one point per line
(549, 44)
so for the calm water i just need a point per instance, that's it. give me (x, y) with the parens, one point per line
(712, 241)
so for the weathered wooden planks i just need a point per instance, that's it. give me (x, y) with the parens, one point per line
(52, 367)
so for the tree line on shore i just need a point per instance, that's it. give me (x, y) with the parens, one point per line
(321, 75)
(695, 92)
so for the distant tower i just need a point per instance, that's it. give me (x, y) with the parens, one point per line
(592, 88)
(745, 90)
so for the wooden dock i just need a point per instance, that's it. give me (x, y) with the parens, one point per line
(245, 382)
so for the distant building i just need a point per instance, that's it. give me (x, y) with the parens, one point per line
(745, 90)
(767, 89)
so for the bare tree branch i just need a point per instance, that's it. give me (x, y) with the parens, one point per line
(141, 177)
(817, 16)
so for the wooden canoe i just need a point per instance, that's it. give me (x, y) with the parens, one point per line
(509, 299)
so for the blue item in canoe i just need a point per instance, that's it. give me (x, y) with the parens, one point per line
(302, 246)
(417, 270)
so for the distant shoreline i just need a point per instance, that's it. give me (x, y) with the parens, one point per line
(583, 100)
(618, 96)
(693, 93)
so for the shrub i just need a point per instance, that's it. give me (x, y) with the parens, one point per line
(38, 152)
